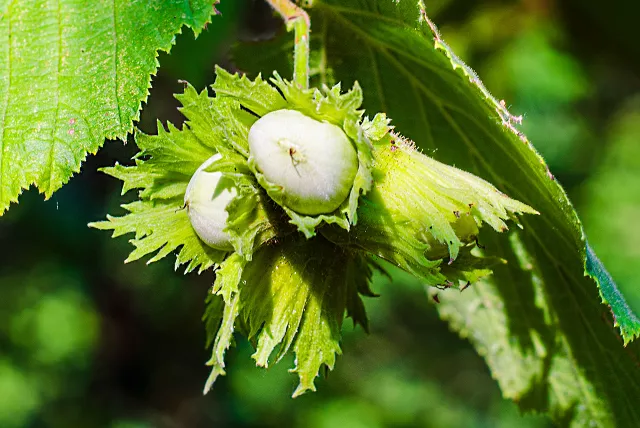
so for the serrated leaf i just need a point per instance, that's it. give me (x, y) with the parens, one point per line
(539, 321)
(73, 74)
(623, 316)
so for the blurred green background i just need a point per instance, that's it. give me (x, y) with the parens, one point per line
(86, 341)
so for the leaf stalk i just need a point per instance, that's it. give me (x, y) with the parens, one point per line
(297, 19)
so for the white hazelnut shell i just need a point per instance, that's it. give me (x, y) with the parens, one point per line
(206, 199)
(314, 162)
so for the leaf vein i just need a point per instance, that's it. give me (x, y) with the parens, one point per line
(56, 93)
(588, 328)
(115, 64)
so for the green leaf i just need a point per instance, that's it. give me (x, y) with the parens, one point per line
(539, 321)
(623, 316)
(73, 74)
(609, 209)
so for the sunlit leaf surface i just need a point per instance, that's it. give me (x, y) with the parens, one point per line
(73, 73)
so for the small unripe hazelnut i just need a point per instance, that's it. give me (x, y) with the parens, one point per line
(206, 200)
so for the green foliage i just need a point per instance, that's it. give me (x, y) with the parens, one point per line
(539, 322)
(612, 196)
(290, 289)
(74, 74)
(20, 398)
(54, 331)
(457, 119)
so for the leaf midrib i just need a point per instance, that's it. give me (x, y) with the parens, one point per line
(56, 92)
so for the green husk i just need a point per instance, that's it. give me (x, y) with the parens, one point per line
(421, 214)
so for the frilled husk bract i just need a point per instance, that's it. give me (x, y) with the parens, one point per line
(422, 214)
(326, 105)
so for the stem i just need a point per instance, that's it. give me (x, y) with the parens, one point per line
(296, 18)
